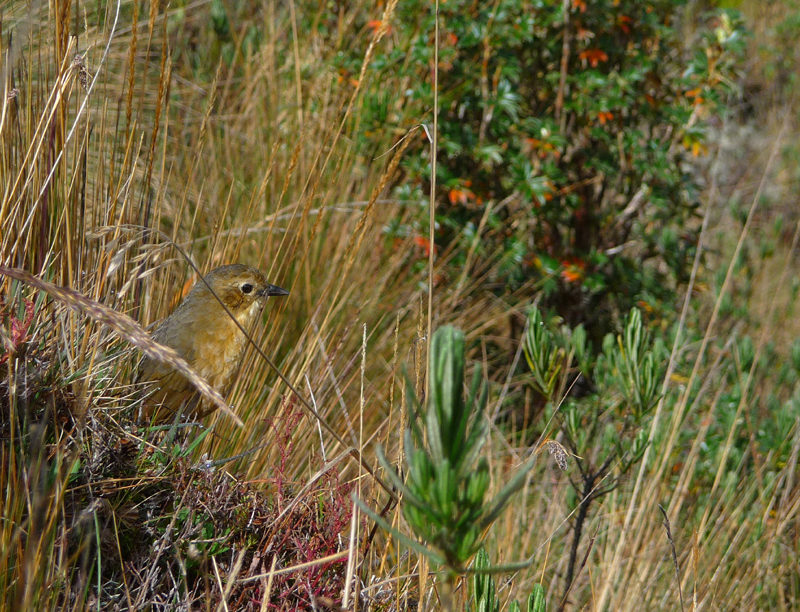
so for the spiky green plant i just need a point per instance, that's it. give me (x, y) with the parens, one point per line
(484, 591)
(444, 495)
(606, 428)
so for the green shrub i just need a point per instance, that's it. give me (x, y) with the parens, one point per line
(604, 429)
(484, 592)
(584, 164)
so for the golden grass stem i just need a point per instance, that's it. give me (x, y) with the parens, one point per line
(432, 204)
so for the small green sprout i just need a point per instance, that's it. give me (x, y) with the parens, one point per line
(444, 494)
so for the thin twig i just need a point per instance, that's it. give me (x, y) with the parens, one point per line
(580, 569)
(432, 205)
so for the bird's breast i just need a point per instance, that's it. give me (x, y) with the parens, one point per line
(219, 346)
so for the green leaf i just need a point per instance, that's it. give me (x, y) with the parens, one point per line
(499, 502)
(542, 354)
(536, 600)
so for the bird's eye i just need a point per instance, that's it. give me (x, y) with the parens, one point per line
(247, 288)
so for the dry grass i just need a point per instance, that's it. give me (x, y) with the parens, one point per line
(116, 166)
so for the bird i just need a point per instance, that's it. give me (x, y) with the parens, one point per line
(204, 335)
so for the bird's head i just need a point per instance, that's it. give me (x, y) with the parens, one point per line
(241, 288)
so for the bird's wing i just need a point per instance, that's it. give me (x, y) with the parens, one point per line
(168, 389)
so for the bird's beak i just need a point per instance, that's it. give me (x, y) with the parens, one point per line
(273, 290)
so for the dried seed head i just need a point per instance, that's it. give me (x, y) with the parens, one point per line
(83, 74)
(559, 453)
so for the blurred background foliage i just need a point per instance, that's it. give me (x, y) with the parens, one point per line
(568, 133)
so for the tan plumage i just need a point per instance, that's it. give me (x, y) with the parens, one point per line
(205, 336)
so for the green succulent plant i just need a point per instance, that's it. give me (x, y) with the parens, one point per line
(484, 592)
(444, 492)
